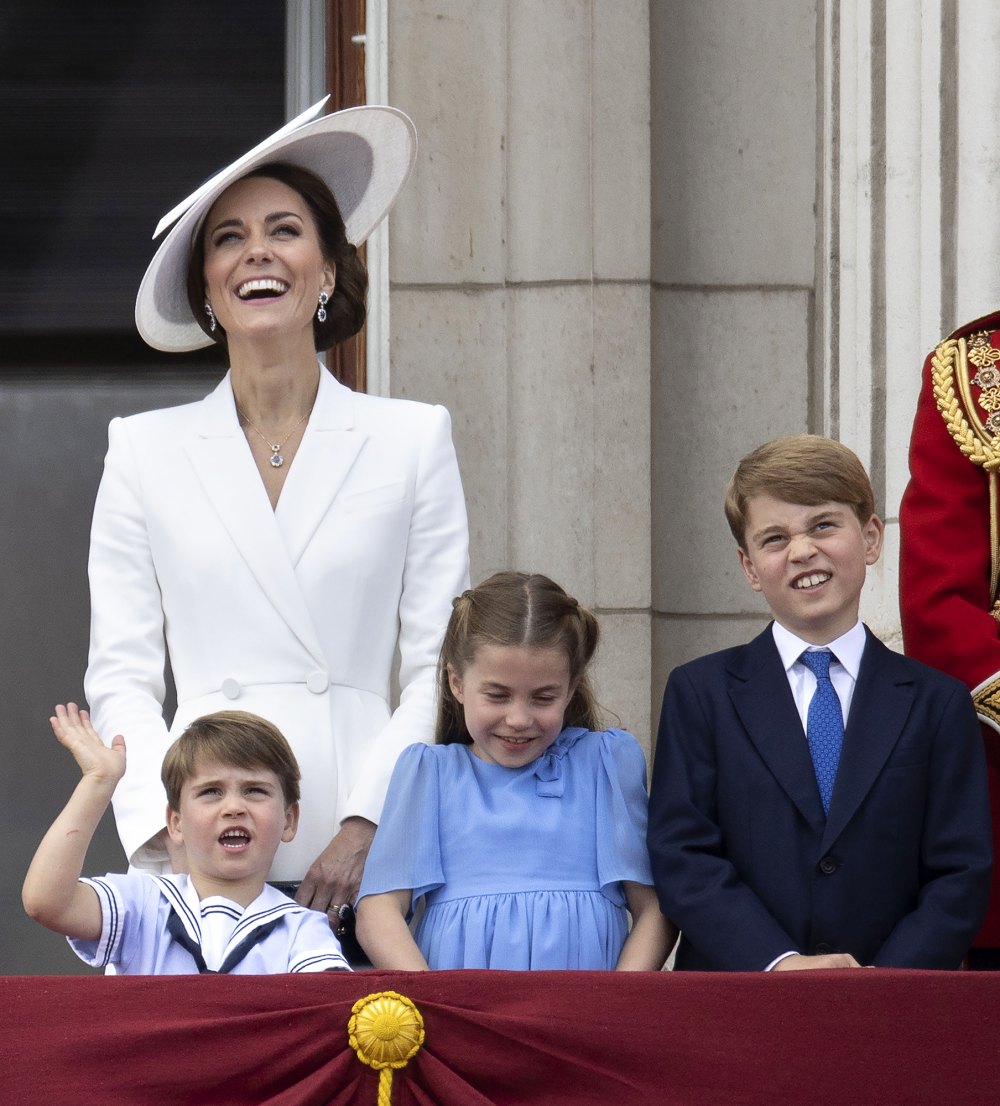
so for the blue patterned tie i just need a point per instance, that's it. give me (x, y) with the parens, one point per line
(824, 724)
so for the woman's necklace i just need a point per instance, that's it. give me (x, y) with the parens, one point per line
(275, 447)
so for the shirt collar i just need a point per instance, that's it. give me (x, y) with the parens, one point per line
(182, 895)
(847, 648)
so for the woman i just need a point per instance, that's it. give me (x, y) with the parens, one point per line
(279, 539)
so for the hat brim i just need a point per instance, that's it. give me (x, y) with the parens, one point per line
(364, 155)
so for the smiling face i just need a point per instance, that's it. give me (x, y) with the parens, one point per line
(231, 821)
(264, 265)
(809, 563)
(514, 698)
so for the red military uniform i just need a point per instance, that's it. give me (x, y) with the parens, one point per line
(950, 539)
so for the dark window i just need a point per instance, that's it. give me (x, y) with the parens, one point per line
(112, 113)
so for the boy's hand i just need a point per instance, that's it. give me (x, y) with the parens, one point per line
(73, 729)
(52, 892)
(799, 962)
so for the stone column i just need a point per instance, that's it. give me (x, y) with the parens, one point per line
(971, 64)
(733, 259)
(520, 291)
(910, 196)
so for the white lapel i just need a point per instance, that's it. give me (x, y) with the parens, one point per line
(225, 468)
(181, 894)
(329, 448)
(268, 905)
(179, 891)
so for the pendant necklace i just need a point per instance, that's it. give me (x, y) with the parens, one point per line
(276, 459)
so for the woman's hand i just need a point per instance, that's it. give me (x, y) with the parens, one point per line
(335, 875)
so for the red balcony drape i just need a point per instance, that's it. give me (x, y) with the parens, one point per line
(530, 1039)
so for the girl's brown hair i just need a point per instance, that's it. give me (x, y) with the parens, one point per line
(520, 609)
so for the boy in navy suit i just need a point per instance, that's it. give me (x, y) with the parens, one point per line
(817, 800)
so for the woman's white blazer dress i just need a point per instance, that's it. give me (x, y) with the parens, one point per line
(294, 614)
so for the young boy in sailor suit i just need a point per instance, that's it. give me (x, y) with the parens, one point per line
(232, 786)
(817, 801)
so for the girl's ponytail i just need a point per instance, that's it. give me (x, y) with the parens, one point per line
(450, 726)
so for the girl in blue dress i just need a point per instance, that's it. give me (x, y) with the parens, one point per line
(524, 828)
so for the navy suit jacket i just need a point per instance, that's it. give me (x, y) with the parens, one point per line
(746, 863)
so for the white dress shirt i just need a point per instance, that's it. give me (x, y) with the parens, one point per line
(847, 650)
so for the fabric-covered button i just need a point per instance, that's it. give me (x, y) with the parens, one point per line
(828, 865)
(231, 688)
(317, 682)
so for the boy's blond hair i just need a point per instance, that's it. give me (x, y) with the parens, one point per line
(236, 739)
(804, 469)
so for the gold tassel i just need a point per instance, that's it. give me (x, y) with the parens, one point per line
(386, 1030)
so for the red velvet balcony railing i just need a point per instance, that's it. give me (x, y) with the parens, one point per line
(524, 1039)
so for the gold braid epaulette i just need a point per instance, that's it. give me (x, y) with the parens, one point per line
(963, 424)
(987, 702)
(979, 442)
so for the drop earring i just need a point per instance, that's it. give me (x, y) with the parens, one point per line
(324, 299)
(212, 324)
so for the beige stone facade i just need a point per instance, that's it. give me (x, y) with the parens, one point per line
(605, 266)
(642, 237)
(521, 291)
(646, 235)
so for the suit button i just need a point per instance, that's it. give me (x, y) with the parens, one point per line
(822, 949)
(828, 865)
(317, 682)
(231, 688)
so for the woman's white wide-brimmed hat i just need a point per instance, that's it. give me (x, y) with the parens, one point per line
(364, 154)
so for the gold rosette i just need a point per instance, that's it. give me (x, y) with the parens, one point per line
(386, 1031)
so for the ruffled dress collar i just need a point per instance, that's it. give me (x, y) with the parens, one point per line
(550, 766)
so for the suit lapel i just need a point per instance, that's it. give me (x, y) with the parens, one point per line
(329, 448)
(763, 700)
(226, 471)
(883, 699)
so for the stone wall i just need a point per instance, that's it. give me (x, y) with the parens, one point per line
(520, 292)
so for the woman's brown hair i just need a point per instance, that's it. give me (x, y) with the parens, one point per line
(346, 310)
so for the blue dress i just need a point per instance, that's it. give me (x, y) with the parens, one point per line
(520, 868)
